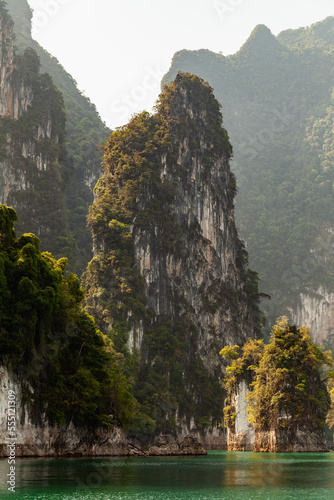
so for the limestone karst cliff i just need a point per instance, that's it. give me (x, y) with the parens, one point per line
(32, 150)
(83, 134)
(61, 374)
(316, 309)
(169, 281)
(15, 93)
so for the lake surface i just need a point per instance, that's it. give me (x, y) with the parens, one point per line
(219, 475)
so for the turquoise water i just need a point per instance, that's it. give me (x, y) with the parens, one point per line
(219, 475)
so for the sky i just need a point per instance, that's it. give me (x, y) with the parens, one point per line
(118, 50)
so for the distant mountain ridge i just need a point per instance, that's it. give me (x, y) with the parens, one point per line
(276, 96)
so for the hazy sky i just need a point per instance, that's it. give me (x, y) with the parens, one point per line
(118, 50)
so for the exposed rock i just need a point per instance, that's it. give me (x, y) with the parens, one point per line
(316, 310)
(32, 150)
(281, 441)
(289, 401)
(15, 93)
(84, 132)
(169, 445)
(285, 67)
(213, 437)
(35, 437)
(241, 437)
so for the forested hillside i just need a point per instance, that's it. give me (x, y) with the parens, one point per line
(277, 100)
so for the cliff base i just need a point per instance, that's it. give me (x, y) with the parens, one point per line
(168, 445)
(243, 441)
(302, 440)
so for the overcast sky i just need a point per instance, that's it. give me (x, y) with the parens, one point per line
(118, 50)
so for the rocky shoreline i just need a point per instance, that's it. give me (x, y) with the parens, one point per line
(34, 436)
(113, 444)
(166, 444)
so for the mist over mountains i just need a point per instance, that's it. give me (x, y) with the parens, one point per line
(277, 103)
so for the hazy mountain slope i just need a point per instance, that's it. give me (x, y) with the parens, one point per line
(276, 95)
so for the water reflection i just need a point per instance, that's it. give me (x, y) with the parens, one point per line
(218, 475)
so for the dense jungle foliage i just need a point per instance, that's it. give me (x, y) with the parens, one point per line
(289, 380)
(277, 100)
(69, 370)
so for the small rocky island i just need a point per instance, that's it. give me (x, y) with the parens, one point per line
(278, 400)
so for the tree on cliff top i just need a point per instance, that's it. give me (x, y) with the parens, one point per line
(287, 379)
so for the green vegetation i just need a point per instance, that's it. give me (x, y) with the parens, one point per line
(241, 368)
(286, 377)
(20, 10)
(4, 11)
(277, 101)
(330, 416)
(69, 369)
(84, 133)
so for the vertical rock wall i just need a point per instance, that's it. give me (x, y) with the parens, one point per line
(15, 96)
(316, 310)
(199, 294)
(280, 441)
(241, 437)
(244, 437)
(32, 154)
(35, 437)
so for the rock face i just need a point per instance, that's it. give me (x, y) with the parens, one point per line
(303, 440)
(212, 438)
(241, 438)
(15, 95)
(49, 185)
(169, 445)
(84, 132)
(35, 437)
(32, 123)
(279, 387)
(264, 90)
(163, 228)
(245, 438)
(317, 311)
(206, 275)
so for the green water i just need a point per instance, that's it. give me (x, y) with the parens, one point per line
(219, 475)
